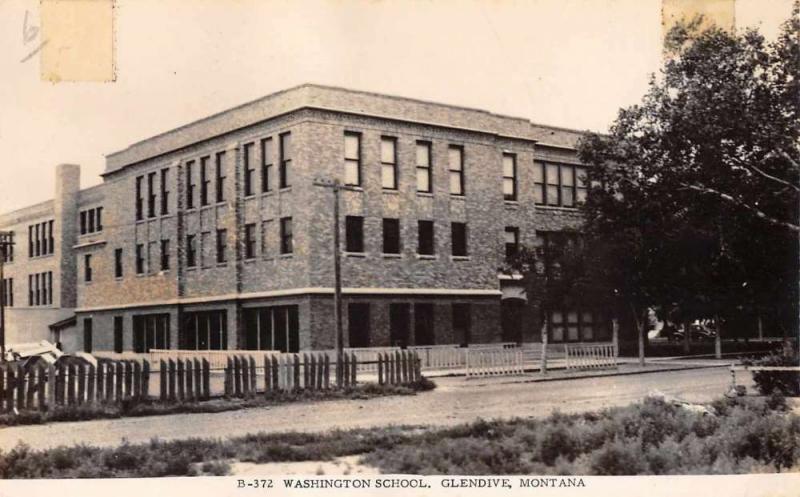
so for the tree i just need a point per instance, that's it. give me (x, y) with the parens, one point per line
(695, 190)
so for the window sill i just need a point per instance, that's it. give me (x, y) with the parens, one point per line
(192, 268)
(250, 260)
(511, 204)
(222, 264)
(118, 278)
(425, 194)
(38, 257)
(458, 196)
(268, 193)
(427, 257)
(141, 275)
(355, 254)
(392, 256)
(285, 189)
(353, 188)
(286, 256)
(390, 191)
(557, 208)
(460, 258)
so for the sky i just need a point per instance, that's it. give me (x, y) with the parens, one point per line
(571, 63)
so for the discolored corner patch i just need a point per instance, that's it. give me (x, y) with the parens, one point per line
(720, 13)
(78, 38)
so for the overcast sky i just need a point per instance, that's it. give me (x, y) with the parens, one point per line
(570, 63)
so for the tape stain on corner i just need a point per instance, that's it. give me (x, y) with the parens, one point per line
(80, 41)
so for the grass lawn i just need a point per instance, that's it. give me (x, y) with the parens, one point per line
(741, 435)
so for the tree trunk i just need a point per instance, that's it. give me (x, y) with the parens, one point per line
(718, 338)
(687, 337)
(642, 325)
(615, 336)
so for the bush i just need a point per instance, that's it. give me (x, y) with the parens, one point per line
(767, 382)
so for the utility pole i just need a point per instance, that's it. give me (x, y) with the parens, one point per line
(6, 241)
(336, 186)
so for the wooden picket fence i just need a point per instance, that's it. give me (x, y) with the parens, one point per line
(399, 368)
(45, 387)
(184, 380)
(590, 356)
(494, 362)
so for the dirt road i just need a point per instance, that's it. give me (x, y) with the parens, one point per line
(454, 401)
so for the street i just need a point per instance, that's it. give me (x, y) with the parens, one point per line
(454, 401)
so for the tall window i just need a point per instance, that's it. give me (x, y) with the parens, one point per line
(204, 180)
(165, 255)
(219, 187)
(50, 238)
(191, 250)
(151, 195)
(391, 236)
(140, 258)
(456, 165)
(249, 241)
(462, 323)
(249, 169)
(389, 163)
(352, 159)
(424, 178)
(207, 330)
(287, 244)
(425, 245)
(87, 268)
(91, 221)
(118, 263)
(266, 164)
(118, 334)
(139, 200)
(354, 234)
(7, 251)
(7, 292)
(511, 241)
(87, 335)
(559, 184)
(222, 246)
(509, 177)
(164, 192)
(190, 184)
(424, 319)
(458, 232)
(285, 159)
(358, 324)
(150, 331)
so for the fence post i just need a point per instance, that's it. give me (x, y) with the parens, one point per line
(244, 370)
(71, 385)
(198, 379)
(90, 383)
(237, 377)
(206, 379)
(327, 372)
(109, 388)
(171, 379)
(275, 371)
(128, 379)
(181, 380)
(398, 365)
(313, 375)
(51, 386)
(81, 383)
(191, 393)
(543, 366)
(40, 387)
(353, 369)
(380, 368)
(137, 380)
(229, 377)
(267, 374)
(145, 379)
(2, 386)
(119, 380)
(296, 372)
(321, 372)
(305, 370)
(253, 378)
(31, 388)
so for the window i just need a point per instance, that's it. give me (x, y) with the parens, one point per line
(511, 241)
(30, 290)
(150, 331)
(272, 328)
(553, 246)
(358, 324)
(7, 292)
(7, 249)
(30, 241)
(577, 325)
(151, 195)
(424, 179)
(219, 187)
(456, 165)
(191, 250)
(205, 181)
(118, 263)
(206, 330)
(52, 244)
(561, 185)
(165, 255)
(423, 324)
(458, 232)
(87, 268)
(287, 245)
(87, 335)
(190, 184)
(389, 163)
(38, 294)
(509, 177)
(206, 248)
(266, 164)
(139, 200)
(285, 159)
(222, 246)
(352, 159)
(425, 245)
(91, 221)
(249, 241)
(354, 234)
(164, 192)
(462, 323)
(140, 258)
(399, 324)
(249, 170)
(391, 236)
(118, 334)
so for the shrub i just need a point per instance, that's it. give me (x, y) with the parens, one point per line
(618, 458)
(767, 382)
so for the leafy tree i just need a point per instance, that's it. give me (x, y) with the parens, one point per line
(695, 190)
